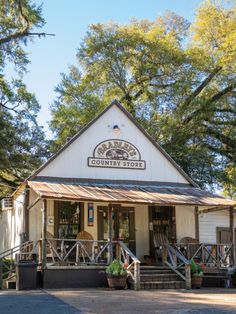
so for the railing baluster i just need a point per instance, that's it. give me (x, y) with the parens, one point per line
(77, 254)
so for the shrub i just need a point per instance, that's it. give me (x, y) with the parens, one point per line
(116, 269)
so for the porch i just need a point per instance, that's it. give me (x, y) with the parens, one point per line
(124, 221)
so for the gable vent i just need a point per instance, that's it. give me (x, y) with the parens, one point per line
(7, 203)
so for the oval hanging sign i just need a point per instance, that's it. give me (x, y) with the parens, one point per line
(116, 154)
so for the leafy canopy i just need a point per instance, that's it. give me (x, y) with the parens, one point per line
(177, 79)
(22, 143)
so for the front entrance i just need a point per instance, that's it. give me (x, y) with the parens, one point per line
(162, 226)
(123, 222)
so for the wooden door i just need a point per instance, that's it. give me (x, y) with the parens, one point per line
(123, 222)
(223, 235)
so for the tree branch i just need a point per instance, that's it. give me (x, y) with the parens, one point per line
(214, 98)
(198, 90)
(25, 31)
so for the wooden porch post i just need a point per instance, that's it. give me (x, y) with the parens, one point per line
(44, 233)
(196, 223)
(26, 214)
(232, 234)
(110, 250)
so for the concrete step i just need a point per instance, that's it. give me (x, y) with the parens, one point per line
(156, 271)
(159, 277)
(160, 285)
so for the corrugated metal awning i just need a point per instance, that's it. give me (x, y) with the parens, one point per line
(128, 193)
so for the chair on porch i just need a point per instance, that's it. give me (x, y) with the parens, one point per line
(159, 241)
(88, 245)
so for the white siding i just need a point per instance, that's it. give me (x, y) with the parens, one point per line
(208, 223)
(11, 225)
(72, 162)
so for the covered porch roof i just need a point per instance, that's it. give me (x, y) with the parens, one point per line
(159, 193)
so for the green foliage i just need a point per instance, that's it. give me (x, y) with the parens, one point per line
(116, 269)
(228, 179)
(196, 269)
(178, 82)
(22, 144)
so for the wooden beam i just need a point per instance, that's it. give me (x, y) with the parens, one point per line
(196, 223)
(110, 233)
(213, 209)
(44, 233)
(232, 234)
(34, 203)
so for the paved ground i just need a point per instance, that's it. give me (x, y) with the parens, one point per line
(33, 302)
(90, 301)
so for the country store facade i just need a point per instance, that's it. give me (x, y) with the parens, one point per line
(113, 192)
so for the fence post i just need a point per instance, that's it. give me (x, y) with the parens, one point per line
(136, 276)
(110, 233)
(188, 276)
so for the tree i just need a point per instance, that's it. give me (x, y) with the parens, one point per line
(177, 79)
(22, 144)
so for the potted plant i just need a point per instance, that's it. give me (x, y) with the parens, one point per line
(116, 275)
(196, 275)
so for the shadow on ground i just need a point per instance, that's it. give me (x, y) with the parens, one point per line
(33, 302)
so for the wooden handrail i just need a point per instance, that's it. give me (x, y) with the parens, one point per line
(174, 256)
(14, 249)
(127, 250)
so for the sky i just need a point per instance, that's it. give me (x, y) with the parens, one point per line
(69, 21)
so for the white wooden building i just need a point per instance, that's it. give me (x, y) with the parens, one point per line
(115, 182)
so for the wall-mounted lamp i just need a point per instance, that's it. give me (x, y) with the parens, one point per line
(116, 128)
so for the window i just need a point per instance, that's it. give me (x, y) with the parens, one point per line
(69, 219)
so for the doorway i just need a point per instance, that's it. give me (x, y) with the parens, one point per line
(162, 225)
(223, 234)
(123, 223)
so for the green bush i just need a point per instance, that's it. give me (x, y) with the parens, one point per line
(116, 269)
(196, 269)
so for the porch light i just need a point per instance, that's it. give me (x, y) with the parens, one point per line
(116, 128)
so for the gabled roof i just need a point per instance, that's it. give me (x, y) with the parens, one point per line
(131, 118)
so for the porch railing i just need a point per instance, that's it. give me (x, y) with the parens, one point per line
(76, 252)
(9, 258)
(131, 262)
(178, 263)
(219, 255)
(70, 252)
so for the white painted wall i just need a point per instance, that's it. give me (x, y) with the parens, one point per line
(208, 223)
(141, 230)
(11, 225)
(72, 162)
(185, 222)
(35, 218)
